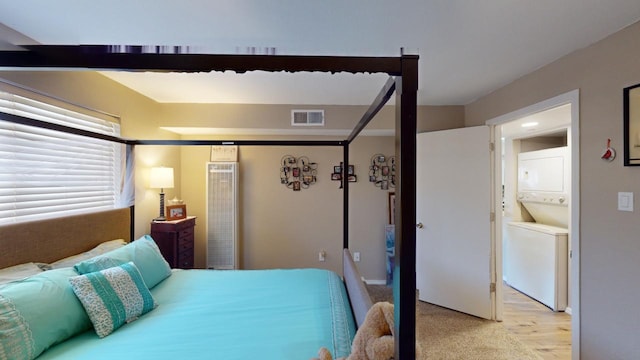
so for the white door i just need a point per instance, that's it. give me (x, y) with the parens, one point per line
(453, 244)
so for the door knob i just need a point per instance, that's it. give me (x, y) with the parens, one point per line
(419, 225)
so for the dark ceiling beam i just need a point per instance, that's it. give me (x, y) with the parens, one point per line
(104, 57)
(383, 97)
(240, 142)
(17, 119)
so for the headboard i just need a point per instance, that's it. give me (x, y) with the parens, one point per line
(357, 290)
(52, 239)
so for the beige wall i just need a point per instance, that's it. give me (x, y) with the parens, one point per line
(429, 118)
(282, 228)
(266, 116)
(279, 228)
(609, 242)
(434, 118)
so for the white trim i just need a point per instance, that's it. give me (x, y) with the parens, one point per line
(574, 223)
(573, 98)
(270, 132)
(495, 266)
(562, 99)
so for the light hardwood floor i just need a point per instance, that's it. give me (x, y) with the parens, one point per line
(546, 332)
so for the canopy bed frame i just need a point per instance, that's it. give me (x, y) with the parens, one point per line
(403, 80)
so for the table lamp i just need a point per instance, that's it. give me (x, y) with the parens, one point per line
(161, 178)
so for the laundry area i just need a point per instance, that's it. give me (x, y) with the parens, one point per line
(536, 194)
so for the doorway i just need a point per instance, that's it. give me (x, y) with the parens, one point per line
(510, 128)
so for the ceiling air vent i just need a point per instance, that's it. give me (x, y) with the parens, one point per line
(307, 117)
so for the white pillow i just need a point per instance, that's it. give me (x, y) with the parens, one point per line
(18, 272)
(98, 250)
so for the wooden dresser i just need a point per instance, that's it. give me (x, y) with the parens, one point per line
(175, 240)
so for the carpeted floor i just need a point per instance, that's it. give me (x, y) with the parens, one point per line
(446, 334)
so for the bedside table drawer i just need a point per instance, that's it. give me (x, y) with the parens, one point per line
(175, 240)
(186, 234)
(185, 243)
(185, 259)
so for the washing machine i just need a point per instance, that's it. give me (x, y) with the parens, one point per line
(537, 262)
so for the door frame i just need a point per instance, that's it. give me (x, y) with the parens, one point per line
(573, 98)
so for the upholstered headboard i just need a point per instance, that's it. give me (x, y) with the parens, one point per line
(52, 239)
(357, 290)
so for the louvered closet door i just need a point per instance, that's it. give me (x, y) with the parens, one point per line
(222, 215)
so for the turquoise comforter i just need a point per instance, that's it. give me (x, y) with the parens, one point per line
(248, 314)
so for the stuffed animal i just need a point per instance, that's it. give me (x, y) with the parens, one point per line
(374, 339)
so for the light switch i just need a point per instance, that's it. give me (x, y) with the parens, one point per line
(625, 201)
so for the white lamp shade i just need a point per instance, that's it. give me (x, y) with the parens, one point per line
(161, 178)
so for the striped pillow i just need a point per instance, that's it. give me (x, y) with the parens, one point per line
(113, 297)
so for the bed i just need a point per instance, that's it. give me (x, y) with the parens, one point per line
(237, 314)
(403, 80)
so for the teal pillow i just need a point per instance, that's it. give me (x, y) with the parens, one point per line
(144, 253)
(113, 297)
(38, 312)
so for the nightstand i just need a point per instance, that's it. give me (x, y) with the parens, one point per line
(175, 239)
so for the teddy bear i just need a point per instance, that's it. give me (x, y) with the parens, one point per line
(374, 339)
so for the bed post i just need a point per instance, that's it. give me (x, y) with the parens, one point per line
(345, 198)
(383, 97)
(132, 225)
(404, 274)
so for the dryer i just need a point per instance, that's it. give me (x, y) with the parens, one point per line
(543, 185)
(536, 253)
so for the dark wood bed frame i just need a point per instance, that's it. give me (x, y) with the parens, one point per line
(45, 241)
(403, 72)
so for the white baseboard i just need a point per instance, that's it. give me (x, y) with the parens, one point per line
(375, 282)
(567, 310)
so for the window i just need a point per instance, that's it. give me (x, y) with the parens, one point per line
(46, 173)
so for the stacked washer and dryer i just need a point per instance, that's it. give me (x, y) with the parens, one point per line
(536, 252)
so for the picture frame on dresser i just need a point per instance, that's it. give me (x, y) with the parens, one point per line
(176, 212)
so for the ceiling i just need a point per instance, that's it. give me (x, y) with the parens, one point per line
(551, 122)
(467, 48)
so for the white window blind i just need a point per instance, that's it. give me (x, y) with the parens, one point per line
(46, 173)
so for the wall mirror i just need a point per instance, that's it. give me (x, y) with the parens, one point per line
(632, 125)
